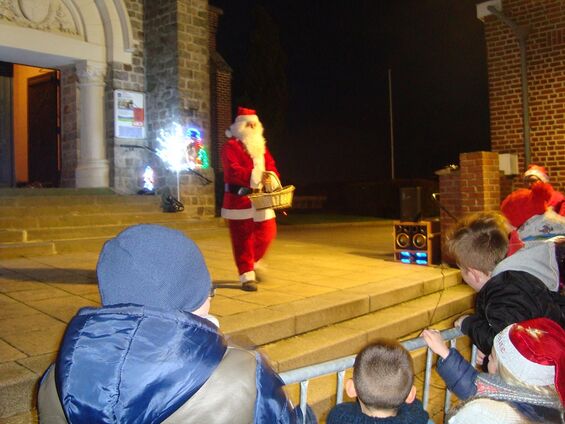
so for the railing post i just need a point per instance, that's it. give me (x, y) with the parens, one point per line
(303, 398)
(427, 378)
(339, 391)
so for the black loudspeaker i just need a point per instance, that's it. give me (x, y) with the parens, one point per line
(417, 242)
(410, 204)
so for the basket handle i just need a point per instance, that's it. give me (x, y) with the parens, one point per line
(275, 184)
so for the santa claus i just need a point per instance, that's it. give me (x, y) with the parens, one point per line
(247, 166)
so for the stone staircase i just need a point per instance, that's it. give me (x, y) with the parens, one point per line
(389, 300)
(49, 221)
(331, 326)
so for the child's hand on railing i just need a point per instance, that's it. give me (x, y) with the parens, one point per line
(459, 321)
(435, 342)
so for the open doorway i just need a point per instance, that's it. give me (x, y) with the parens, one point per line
(36, 129)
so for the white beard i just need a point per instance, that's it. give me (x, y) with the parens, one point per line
(255, 145)
(252, 139)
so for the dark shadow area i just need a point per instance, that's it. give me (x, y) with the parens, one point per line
(51, 275)
(226, 284)
(371, 198)
(386, 256)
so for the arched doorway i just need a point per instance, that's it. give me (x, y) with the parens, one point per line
(55, 34)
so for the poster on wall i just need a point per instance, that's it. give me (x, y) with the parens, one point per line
(129, 107)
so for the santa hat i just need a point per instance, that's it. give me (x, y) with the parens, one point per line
(246, 115)
(243, 115)
(522, 204)
(538, 172)
(534, 352)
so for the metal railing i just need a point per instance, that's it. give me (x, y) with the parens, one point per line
(339, 366)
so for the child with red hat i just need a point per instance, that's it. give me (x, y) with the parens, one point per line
(526, 379)
(536, 173)
(541, 230)
(527, 209)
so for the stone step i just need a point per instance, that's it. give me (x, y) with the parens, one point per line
(349, 337)
(110, 230)
(127, 218)
(267, 325)
(10, 235)
(403, 320)
(53, 192)
(39, 200)
(49, 241)
(15, 250)
(78, 209)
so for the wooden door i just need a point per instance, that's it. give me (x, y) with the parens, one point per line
(6, 127)
(43, 131)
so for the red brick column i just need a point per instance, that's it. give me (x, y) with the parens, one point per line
(475, 187)
(480, 182)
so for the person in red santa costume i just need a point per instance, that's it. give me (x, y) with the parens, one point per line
(536, 173)
(247, 166)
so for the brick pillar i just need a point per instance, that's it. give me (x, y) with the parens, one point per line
(475, 187)
(479, 182)
(220, 92)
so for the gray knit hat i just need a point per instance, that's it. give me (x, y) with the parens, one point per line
(153, 266)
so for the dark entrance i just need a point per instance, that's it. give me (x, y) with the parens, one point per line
(44, 155)
(6, 119)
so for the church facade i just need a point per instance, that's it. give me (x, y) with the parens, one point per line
(90, 90)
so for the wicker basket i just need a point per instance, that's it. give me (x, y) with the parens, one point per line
(280, 199)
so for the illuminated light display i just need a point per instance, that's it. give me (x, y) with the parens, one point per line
(411, 257)
(182, 150)
(148, 179)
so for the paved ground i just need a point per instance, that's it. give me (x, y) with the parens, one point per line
(39, 295)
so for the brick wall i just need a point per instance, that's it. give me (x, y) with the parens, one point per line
(178, 85)
(220, 93)
(545, 50)
(128, 163)
(474, 187)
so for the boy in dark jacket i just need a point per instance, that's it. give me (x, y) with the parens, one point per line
(479, 245)
(383, 377)
(151, 353)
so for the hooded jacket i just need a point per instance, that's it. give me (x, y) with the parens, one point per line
(509, 297)
(134, 364)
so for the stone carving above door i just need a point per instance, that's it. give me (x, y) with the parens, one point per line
(43, 15)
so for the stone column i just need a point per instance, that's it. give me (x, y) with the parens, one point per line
(92, 168)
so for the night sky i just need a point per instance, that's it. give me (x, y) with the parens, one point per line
(338, 55)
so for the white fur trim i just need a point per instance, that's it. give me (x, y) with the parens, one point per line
(256, 177)
(538, 174)
(522, 368)
(247, 276)
(486, 411)
(263, 215)
(237, 213)
(212, 319)
(247, 118)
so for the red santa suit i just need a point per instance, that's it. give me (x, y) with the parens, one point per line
(244, 162)
(538, 173)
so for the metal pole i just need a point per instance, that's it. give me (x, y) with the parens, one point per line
(391, 123)
(178, 187)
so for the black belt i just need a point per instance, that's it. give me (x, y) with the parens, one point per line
(237, 189)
